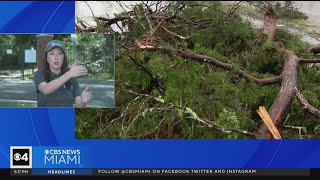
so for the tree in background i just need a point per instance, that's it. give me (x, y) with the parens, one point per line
(17, 43)
(273, 10)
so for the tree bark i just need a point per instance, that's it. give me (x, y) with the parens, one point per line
(315, 49)
(285, 96)
(270, 23)
(42, 40)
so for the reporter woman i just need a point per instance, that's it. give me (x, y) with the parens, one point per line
(56, 85)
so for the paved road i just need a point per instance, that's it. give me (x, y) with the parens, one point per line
(16, 90)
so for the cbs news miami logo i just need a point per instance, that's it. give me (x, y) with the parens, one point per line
(20, 156)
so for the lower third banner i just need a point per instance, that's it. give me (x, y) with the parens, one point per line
(161, 171)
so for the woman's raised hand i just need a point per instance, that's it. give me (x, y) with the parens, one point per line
(76, 70)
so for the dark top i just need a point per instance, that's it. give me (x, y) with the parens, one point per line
(62, 97)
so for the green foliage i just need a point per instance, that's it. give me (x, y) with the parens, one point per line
(214, 95)
(291, 41)
(228, 119)
(290, 13)
(267, 58)
(17, 43)
(86, 122)
(234, 39)
(198, 10)
(100, 27)
(105, 76)
(131, 76)
(97, 52)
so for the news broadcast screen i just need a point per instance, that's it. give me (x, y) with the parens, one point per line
(115, 88)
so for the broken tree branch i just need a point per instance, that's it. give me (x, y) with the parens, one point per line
(193, 115)
(288, 79)
(286, 95)
(156, 29)
(310, 60)
(268, 122)
(215, 62)
(108, 21)
(300, 129)
(306, 104)
(174, 34)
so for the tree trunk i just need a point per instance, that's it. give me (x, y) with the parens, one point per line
(270, 23)
(42, 40)
(285, 96)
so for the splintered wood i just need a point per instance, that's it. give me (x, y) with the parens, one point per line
(268, 121)
(149, 42)
(142, 46)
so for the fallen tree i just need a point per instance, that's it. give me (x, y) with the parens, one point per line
(288, 79)
(174, 67)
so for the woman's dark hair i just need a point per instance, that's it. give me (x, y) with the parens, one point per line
(64, 69)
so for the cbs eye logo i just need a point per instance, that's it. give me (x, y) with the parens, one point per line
(20, 157)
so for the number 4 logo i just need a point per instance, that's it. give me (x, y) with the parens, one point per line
(25, 157)
(18, 157)
(21, 157)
